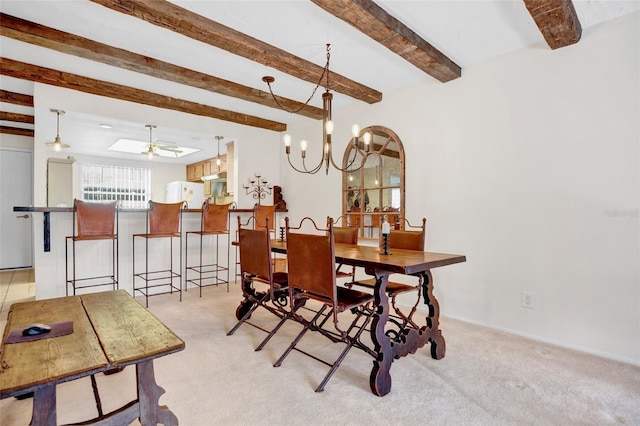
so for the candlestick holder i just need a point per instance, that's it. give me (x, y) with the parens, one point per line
(281, 233)
(258, 187)
(385, 244)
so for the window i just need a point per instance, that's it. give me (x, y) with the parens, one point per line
(374, 191)
(129, 185)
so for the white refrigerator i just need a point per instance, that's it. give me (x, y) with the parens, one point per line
(191, 192)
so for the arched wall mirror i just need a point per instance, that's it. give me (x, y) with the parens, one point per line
(375, 190)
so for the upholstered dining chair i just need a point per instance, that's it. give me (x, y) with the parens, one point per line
(92, 221)
(261, 214)
(412, 237)
(345, 235)
(214, 222)
(312, 276)
(256, 267)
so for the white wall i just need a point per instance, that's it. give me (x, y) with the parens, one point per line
(16, 141)
(529, 166)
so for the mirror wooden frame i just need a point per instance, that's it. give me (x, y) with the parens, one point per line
(380, 196)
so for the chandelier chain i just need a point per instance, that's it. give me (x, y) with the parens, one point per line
(325, 71)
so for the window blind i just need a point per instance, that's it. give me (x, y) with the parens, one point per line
(129, 185)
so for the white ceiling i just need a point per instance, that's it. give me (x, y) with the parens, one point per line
(468, 32)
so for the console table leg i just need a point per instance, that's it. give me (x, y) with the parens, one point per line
(149, 394)
(44, 406)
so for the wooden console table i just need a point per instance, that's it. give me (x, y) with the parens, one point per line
(110, 330)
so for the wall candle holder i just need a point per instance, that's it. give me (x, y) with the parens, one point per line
(258, 186)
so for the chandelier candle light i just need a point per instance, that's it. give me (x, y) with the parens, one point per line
(260, 187)
(327, 130)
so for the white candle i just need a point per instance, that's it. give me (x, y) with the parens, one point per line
(283, 223)
(385, 228)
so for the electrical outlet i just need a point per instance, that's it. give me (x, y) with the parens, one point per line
(527, 300)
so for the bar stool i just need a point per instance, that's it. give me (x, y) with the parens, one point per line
(214, 222)
(163, 221)
(94, 221)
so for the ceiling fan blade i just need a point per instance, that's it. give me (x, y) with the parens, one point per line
(170, 148)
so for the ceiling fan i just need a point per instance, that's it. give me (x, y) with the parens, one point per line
(57, 142)
(152, 147)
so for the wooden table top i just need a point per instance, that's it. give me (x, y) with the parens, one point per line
(399, 261)
(125, 329)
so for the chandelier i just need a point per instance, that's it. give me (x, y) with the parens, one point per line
(327, 130)
(57, 142)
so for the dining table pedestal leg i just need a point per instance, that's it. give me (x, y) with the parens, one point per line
(380, 378)
(408, 340)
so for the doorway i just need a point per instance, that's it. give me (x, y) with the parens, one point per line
(16, 228)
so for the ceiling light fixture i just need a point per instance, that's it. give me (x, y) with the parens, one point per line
(57, 143)
(150, 150)
(327, 129)
(218, 160)
(218, 163)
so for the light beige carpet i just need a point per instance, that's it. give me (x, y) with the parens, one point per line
(487, 378)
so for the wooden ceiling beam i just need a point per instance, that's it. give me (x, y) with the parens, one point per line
(19, 118)
(53, 77)
(40, 35)
(16, 98)
(16, 131)
(175, 18)
(557, 20)
(372, 20)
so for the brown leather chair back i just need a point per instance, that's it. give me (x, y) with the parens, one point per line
(311, 264)
(164, 218)
(345, 235)
(408, 240)
(215, 217)
(95, 219)
(255, 253)
(261, 213)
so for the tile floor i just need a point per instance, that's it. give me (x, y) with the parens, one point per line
(15, 286)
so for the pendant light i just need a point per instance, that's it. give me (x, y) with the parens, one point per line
(57, 143)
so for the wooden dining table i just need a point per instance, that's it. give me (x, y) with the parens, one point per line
(109, 331)
(407, 262)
